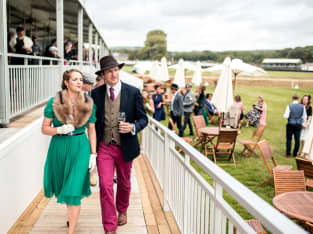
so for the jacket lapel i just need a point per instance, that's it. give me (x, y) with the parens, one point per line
(123, 102)
(102, 101)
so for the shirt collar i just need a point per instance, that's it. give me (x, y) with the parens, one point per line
(295, 102)
(117, 86)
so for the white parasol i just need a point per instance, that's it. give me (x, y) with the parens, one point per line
(179, 78)
(223, 93)
(239, 67)
(164, 70)
(197, 75)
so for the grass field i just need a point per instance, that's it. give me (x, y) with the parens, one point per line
(252, 171)
(270, 74)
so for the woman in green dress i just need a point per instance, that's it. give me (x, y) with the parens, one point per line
(70, 153)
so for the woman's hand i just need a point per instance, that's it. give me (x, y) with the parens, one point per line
(92, 162)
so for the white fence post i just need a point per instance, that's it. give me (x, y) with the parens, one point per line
(168, 143)
(217, 211)
(186, 195)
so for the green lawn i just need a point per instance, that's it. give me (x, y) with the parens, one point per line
(252, 171)
(270, 74)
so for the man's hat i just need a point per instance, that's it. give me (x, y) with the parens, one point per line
(174, 86)
(88, 78)
(108, 62)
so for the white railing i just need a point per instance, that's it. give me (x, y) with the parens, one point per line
(22, 158)
(197, 206)
(32, 82)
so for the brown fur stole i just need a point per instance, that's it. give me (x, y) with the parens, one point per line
(80, 110)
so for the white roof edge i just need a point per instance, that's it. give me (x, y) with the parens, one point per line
(91, 19)
(281, 60)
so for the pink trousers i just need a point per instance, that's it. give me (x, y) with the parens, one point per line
(110, 156)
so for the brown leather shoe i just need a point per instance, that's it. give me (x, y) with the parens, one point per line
(110, 232)
(122, 219)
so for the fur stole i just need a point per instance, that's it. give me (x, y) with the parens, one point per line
(80, 110)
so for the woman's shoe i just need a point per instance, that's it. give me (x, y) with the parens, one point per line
(67, 223)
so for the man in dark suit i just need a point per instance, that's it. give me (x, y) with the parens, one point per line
(177, 108)
(117, 142)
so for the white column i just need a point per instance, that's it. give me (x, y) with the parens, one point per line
(90, 43)
(96, 47)
(60, 27)
(80, 33)
(4, 70)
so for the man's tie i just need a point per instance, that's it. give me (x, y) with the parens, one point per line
(112, 94)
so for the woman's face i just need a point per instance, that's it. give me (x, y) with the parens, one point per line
(305, 100)
(75, 83)
(144, 95)
(260, 100)
(158, 90)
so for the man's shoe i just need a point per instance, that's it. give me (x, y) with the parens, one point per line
(122, 219)
(110, 232)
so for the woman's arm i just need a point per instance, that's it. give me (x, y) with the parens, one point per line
(46, 127)
(152, 106)
(92, 138)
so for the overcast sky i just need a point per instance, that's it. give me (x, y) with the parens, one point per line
(206, 24)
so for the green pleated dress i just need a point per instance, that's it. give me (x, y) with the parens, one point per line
(66, 169)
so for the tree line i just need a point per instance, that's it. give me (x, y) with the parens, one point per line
(155, 47)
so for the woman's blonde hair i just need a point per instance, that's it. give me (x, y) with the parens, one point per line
(67, 75)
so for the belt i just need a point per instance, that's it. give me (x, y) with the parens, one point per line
(113, 142)
(71, 134)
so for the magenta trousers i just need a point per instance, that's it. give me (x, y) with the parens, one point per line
(110, 156)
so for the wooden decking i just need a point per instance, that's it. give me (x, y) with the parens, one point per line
(145, 214)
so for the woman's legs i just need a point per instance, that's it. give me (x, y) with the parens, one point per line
(72, 214)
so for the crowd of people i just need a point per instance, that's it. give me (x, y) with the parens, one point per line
(182, 103)
(19, 43)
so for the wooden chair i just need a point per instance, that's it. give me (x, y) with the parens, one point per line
(307, 167)
(267, 156)
(256, 226)
(198, 122)
(288, 181)
(249, 146)
(226, 141)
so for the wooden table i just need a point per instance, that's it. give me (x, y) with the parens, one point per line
(297, 205)
(207, 134)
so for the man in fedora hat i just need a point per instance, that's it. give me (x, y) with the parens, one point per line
(117, 142)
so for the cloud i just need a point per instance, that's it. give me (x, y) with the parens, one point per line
(206, 24)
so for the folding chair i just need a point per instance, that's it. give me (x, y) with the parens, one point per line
(307, 167)
(249, 146)
(288, 181)
(267, 156)
(226, 141)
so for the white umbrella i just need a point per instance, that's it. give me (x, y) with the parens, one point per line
(197, 75)
(186, 65)
(155, 71)
(237, 67)
(179, 78)
(143, 66)
(131, 80)
(223, 93)
(164, 70)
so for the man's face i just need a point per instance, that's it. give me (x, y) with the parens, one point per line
(21, 33)
(173, 90)
(112, 76)
(87, 87)
(188, 88)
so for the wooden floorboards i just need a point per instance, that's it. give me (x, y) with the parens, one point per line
(145, 213)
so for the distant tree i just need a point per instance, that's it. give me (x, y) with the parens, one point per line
(155, 45)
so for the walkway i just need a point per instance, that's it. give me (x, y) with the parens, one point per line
(145, 214)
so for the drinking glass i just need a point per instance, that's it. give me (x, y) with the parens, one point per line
(121, 117)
